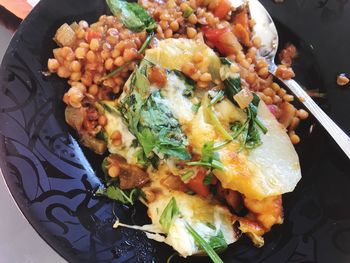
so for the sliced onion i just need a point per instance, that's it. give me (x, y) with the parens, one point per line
(243, 98)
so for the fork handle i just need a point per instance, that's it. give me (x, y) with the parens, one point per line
(331, 127)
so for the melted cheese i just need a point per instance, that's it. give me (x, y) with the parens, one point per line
(173, 53)
(196, 211)
(115, 123)
(180, 105)
(268, 170)
(200, 132)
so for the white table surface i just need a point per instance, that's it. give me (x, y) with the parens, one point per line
(19, 243)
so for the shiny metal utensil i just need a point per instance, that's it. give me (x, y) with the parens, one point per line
(266, 30)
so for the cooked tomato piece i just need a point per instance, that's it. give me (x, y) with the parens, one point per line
(196, 183)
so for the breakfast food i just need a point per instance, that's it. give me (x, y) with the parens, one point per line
(192, 121)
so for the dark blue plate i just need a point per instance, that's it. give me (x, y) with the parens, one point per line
(52, 178)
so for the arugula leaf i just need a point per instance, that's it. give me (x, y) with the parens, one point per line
(168, 214)
(209, 157)
(189, 83)
(204, 245)
(115, 193)
(133, 16)
(218, 242)
(151, 120)
(248, 132)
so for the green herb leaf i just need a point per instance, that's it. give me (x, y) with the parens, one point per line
(187, 176)
(115, 193)
(133, 16)
(146, 43)
(248, 132)
(196, 107)
(189, 83)
(218, 96)
(204, 245)
(151, 120)
(209, 157)
(218, 242)
(208, 178)
(211, 118)
(169, 212)
(225, 61)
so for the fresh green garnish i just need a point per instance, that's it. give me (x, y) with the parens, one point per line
(115, 193)
(208, 178)
(196, 107)
(205, 245)
(209, 157)
(211, 118)
(132, 15)
(187, 176)
(169, 212)
(189, 83)
(218, 96)
(225, 61)
(151, 121)
(248, 132)
(135, 18)
(187, 12)
(218, 242)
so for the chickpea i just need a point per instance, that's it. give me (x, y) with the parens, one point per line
(257, 42)
(275, 86)
(75, 76)
(205, 77)
(188, 68)
(302, 114)
(90, 56)
(93, 90)
(174, 25)
(197, 57)
(109, 64)
(342, 80)
(193, 19)
(263, 72)
(191, 32)
(94, 44)
(196, 76)
(65, 51)
(63, 72)
(116, 53)
(269, 92)
(282, 92)
(53, 65)
(168, 33)
(75, 66)
(288, 98)
(113, 171)
(80, 52)
(129, 54)
(119, 61)
(295, 139)
(116, 138)
(294, 124)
